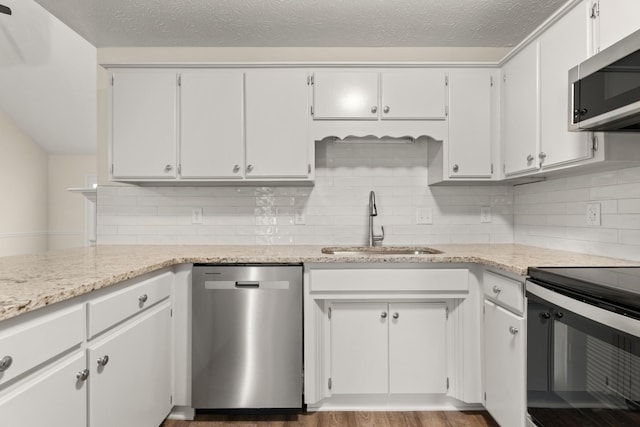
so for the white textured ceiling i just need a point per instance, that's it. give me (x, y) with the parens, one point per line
(313, 23)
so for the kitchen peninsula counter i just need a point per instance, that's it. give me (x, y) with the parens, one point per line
(29, 282)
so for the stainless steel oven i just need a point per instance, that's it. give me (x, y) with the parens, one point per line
(583, 346)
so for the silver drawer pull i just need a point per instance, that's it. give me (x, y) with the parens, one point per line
(143, 298)
(102, 361)
(496, 290)
(513, 330)
(82, 375)
(396, 315)
(383, 314)
(5, 362)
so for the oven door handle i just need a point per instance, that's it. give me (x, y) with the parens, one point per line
(597, 314)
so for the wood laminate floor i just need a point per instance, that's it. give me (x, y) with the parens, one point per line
(338, 419)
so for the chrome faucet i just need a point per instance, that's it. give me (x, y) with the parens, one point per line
(373, 211)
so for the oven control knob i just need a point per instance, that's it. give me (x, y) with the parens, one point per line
(559, 315)
(545, 315)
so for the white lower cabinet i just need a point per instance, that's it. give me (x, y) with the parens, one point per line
(130, 373)
(380, 347)
(505, 365)
(54, 397)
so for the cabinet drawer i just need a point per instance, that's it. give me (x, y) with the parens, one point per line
(506, 292)
(36, 341)
(390, 280)
(106, 311)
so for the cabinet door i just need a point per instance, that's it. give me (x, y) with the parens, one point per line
(277, 124)
(133, 388)
(618, 19)
(504, 365)
(520, 132)
(470, 118)
(562, 47)
(211, 124)
(54, 398)
(144, 125)
(345, 95)
(359, 348)
(413, 94)
(417, 348)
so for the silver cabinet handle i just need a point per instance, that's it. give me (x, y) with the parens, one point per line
(456, 167)
(249, 168)
(82, 375)
(168, 168)
(542, 155)
(386, 109)
(5, 362)
(383, 314)
(513, 330)
(236, 168)
(529, 158)
(496, 290)
(374, 109)
(102, 361)
(143, 298)
(396, 315)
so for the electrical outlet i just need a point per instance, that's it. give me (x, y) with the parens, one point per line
(299, 218)
(196, 216)
(424, 216)
(593, 214)
(485, 214)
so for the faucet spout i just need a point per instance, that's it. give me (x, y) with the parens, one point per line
(373, 211)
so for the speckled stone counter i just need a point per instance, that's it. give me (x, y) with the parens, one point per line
(33, 281)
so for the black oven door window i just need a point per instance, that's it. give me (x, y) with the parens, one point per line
(580, 372)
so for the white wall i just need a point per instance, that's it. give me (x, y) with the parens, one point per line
(552, 214)
(23, 188)
(66, 210)
(335, 207)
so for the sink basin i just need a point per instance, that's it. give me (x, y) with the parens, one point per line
(381, 250)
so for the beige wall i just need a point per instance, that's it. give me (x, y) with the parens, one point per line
(66, 209)
(23, 191)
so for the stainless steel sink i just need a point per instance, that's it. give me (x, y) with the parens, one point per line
(380, 250)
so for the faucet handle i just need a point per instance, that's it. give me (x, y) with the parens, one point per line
(379, 238)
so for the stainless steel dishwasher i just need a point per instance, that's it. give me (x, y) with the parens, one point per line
(247, 336)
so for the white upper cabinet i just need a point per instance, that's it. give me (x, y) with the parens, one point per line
(345, 95)
(277, 124)
(520, 129)
(143, 127)
(413, 94)
(211, 124)
(614, 20)
(410, 94)
(562, 47)
(471, 122)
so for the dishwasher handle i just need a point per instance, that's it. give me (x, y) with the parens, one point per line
(247, 284)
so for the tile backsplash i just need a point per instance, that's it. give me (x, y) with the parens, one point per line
(552, 213)
(335, 209)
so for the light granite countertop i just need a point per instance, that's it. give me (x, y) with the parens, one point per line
(29, 282)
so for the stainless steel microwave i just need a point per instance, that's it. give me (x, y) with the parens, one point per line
(604, 90)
